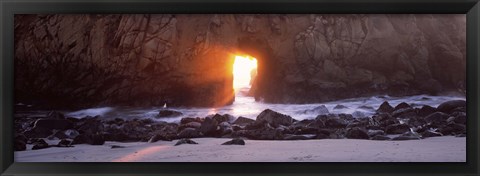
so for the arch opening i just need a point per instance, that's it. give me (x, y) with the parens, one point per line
(244, 72)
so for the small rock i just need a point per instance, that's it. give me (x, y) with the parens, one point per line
(117, 146)
(236, 141)
(40, 144)
(185, 141)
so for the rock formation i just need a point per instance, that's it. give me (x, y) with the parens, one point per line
(74, 61)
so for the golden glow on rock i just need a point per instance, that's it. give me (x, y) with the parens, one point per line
(242, 70)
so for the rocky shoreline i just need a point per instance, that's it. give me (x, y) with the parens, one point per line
(402, 122)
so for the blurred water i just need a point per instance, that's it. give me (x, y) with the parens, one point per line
(248, 107)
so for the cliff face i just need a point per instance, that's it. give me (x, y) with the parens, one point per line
(88, 60)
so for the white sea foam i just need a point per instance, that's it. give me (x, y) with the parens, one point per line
(91, 112)
(248, 107)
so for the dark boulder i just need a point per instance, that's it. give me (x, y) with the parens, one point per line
(426, 110)
(323, 134)
(385, 107)
(437, 118)
(275, 119)
(38, 132)
(40, 144)
(168, 113)
(210, 127)
(92, 139)
(190, 133)
(225, 128)
(51, 124)
(375, 133)
(117, 136)
(356, 133)
(190, 119)
(243, 121)
(416, 121)
(404, 113)
(305, 130)
(316, 124)
(448, 106)
(91, 126)
(397, 129)
(195, 125)
(335, 123)
(302, 123)
(20, 144)
(459, 117)
(64, 143)
(402, 105)
(97, 139)
(362, 124)
(185, 141)
(236, 141)
(222, 118)
(427, 134)
(453, 129)
(407, 136)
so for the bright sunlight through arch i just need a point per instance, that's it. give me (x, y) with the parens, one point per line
(242, 70)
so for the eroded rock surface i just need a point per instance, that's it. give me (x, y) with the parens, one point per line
(88, 60)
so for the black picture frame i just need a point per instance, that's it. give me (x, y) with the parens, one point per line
(10, 7)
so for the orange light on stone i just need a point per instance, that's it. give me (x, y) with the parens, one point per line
(242, 69)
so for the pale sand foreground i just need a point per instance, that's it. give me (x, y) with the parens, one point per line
(436, 149)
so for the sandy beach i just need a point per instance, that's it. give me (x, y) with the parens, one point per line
(436, 149)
